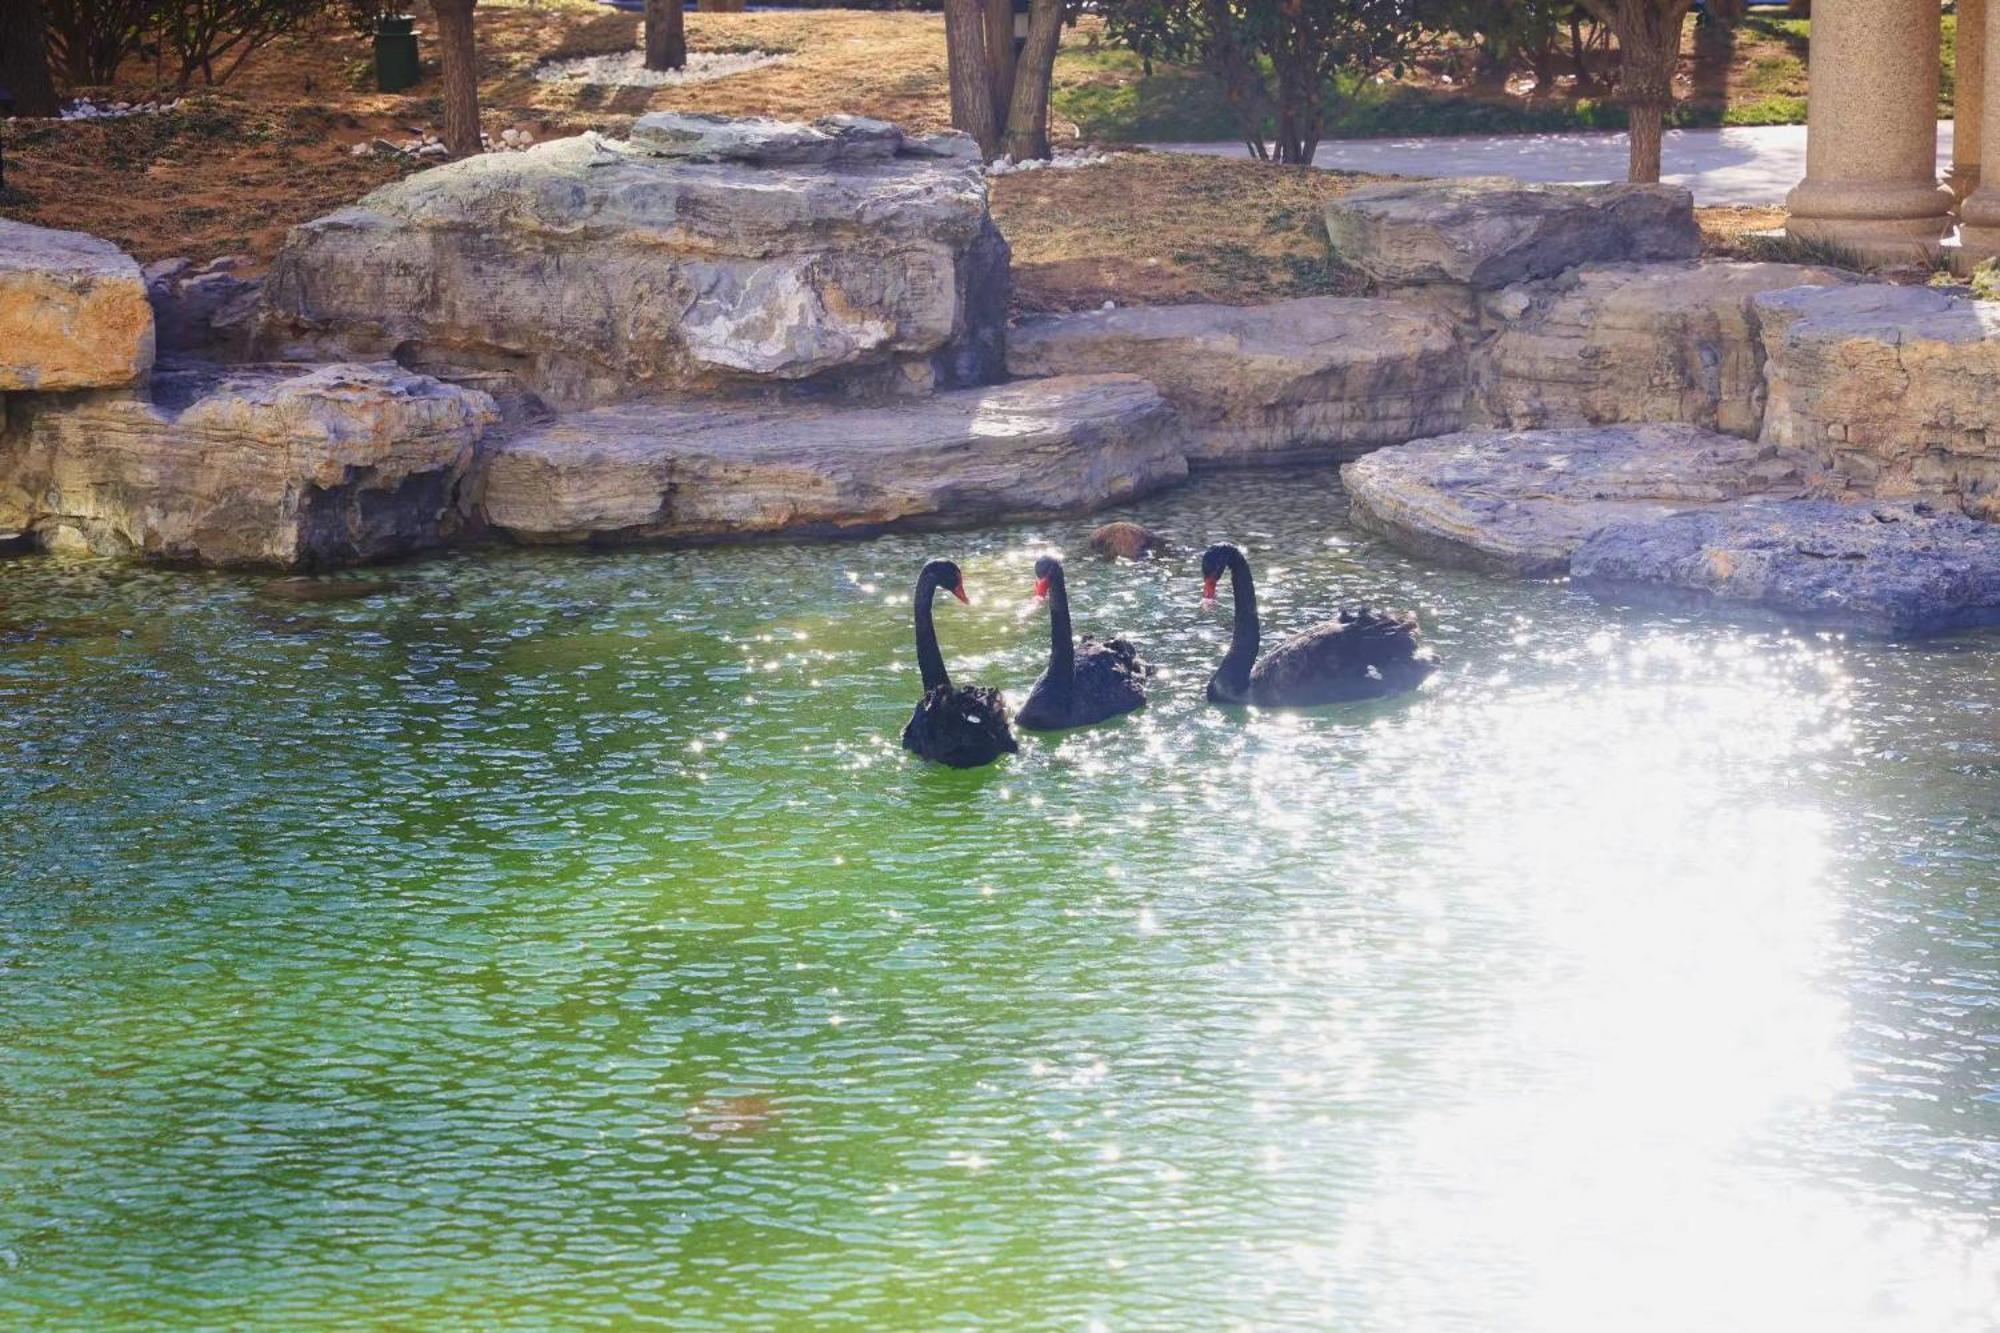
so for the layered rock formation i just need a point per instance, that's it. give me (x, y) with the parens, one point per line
(1606, 343)
(689, 472)
(73, 312)
(1487, 233)
(1896, 389)
(1871, 568)
(701, 255)
(1521, 502)
(1322, 378)
(257, 466)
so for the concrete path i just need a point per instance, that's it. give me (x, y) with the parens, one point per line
(1727, 166)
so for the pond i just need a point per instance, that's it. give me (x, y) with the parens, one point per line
(564, 939)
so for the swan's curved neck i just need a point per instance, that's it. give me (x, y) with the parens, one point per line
(1062, 649)
(929, 660)
(1234, 672)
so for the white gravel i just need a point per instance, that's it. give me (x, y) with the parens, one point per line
(1062, 161)
(85, 109)
(627, 69)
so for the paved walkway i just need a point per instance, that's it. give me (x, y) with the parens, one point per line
(1727, 166)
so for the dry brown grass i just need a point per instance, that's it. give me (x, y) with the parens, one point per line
(1723, 228)
(1147, 228)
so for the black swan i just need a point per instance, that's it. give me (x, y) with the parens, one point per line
(1365, 654)
(959, 726)
(1086, 682)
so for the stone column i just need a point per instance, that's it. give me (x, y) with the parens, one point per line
(1871, 130)
(1969, 101)
(1980, 236)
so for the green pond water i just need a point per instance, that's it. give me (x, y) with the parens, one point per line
(560, 940)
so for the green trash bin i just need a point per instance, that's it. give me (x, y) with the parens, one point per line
(396, 53)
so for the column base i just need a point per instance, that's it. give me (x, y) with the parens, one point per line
(1962, 180)
(1882, 222)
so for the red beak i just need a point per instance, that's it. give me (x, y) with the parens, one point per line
(1041, 587)
(959, 592)
(1208, 590)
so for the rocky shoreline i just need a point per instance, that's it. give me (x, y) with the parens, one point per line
(733, 329)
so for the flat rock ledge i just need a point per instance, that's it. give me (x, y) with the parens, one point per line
(1879, 569)
(1487, 232)
(285, 467)
(1521, 502)
(668, 472)
(73, 312)
(1320, 378)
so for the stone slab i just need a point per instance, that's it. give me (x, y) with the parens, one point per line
(1871, 568)
(710, 471)
(1489, 232)
(1521, 502)
(1320, 378)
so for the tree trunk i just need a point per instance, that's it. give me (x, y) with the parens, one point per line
(970, 74)
(24, 58)
(460, 58)
(1645, 127)
(1028, 116)
(1000, 53)
(1649, 46)
(666, 35)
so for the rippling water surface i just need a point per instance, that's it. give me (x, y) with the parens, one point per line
(559, 939)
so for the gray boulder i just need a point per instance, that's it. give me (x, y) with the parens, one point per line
(206, 311)
(73, 312)
(690, 471)
(1892, 569)
(1521, 502)
(1316, 378)
(1609, 343)
(1895, 389)
(1488, 232)
(704, 255)
(259, 466)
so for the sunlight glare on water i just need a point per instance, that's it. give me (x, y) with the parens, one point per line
(564, 938)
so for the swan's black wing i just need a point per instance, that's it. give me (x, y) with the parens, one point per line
(1110, 679)
(960, 727)
(1365, 654)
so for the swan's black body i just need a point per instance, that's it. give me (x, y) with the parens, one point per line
(1086, 681)
(1365, 654)
(959, 726)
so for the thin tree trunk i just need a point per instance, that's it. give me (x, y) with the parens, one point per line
(666, 35)
(970, 74)
(1000, 53)
(1645, 127)
(24, 58)
(460, 58)
(1028, 116)
(1649, 46)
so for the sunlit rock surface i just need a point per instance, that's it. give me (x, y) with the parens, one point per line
(1520, 502)
(73, 311)
(1873, 568)
(1610, 343)
(1322, 378)
(1897, 389)
(277, 466)
(692, 471)
(1488, 232)
(703, 253)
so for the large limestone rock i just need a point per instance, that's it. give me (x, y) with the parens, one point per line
(1521, 502)
(1610, 343)
(1489, 232)
(685, 472)
(1317, 378)
(704, 253)
(1897, 389)
(254, 466)
(1872, 568)
(73, 312)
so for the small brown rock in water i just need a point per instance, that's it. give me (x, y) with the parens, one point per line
(324, 590)
(721, 1117)
(1130, 540)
